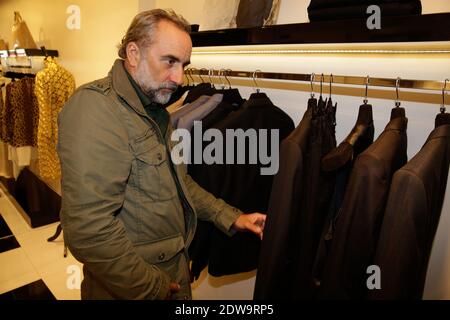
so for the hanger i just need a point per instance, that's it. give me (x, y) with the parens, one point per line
(312, 101)
(322, 103)
(203, 88)
(330, 109)
(365, 114)
(359, 138)
(232, 96)
(188, 71)
(397, 112)
(258, 94)
(443, 117)
(255, 75)
(226, 78)
(222, 82)
(211, 73)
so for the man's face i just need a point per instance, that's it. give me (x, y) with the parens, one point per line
(160, 69)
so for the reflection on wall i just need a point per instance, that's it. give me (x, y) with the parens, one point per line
(226, 14)
(218, 14)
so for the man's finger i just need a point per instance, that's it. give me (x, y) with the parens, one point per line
(254, 228)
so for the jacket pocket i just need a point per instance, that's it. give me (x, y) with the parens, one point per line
(169, 256)
(161, 251)
(153, 174)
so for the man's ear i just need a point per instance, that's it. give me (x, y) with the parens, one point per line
(133, 54)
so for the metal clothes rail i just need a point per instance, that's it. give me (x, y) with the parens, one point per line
(335, 79)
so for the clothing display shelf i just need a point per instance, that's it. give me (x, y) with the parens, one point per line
(28, 53)
(413, 28)
(317, 78)
(18, 63)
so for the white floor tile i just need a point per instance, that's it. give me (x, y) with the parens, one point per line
(16, 270)
(41, 252)
(57, 282)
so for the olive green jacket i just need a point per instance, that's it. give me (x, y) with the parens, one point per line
(121, 213)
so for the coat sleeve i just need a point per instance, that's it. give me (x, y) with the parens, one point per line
(96, 163)
(210, 208)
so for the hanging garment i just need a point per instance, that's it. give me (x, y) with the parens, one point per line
(220, 112)
(324, 10)
(177, 104)
(437, 283)
(411, 219)
(273, 278)
(357, 229)
(54, 86)
(341, 160)
(20, 115)
(240, 185)
(6, 166)
(21, 157)
(186, 108)
(177, 97)
(187, 121)
(254, 13)
(314, 201)
(203, 89)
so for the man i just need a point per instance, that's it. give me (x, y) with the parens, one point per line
(128, 213)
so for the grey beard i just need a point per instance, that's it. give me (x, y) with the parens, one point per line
(157, 96)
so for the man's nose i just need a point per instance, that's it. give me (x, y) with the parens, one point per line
(177, 76)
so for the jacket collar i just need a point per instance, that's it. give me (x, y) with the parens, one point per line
(121, 84)
(442, 131)
(398, 124)
(257, 100)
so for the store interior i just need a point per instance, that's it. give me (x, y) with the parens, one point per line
(412, 72)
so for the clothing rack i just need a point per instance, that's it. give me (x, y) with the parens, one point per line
(19, 63)
(43, 52)
(18, 75)
(335, 79)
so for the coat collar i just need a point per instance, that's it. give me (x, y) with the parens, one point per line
(121, 84)
(442, 131)
(399, 124)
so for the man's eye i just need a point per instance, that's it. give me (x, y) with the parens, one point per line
(171, 62)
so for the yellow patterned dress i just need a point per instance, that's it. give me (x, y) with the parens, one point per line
(54, 85)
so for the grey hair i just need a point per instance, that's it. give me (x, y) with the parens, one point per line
(143, 26)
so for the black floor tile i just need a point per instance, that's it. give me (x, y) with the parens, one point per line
(8, 243)
(4, 229)
(33, 291)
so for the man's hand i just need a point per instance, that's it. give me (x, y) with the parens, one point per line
(253, 222)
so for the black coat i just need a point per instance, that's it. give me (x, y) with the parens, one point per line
(240, 185)
(272, 279)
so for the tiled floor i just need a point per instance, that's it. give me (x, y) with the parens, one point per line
(30, 266)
